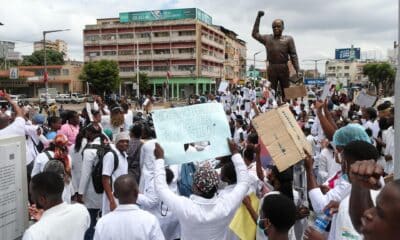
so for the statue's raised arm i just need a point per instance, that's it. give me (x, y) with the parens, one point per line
(256, 29)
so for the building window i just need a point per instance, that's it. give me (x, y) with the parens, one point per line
(144, 35)
(109, 37)
(186, 50)
(92, 38)
(126, 69)
(145, 68)
(144, 52)
(346, 67)
(126, 36)
(186, 33)
(161, 51)
(161, 34)
(331, 68)
(93, 54)
(125, 52)
(185, 68)
(160, 68)
(109, 53)
(346, 74)
(65, 72)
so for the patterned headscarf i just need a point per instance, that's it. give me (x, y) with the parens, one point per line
(205, 179)
(61, 151)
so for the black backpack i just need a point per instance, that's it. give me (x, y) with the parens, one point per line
(38, 147)
(97, 170)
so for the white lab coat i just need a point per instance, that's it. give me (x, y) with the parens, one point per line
(200, 217)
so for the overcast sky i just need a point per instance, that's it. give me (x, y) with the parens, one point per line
(318, 27)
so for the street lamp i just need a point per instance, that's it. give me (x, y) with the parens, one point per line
(254, 67)
(45, 60)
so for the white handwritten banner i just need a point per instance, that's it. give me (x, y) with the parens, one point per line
(176, 127)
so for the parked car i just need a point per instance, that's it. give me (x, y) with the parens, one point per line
(51, 99)
(63, 98)
(77, 98)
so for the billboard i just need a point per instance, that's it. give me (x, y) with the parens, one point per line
(347, 53)
(314, 81)
(161, 15)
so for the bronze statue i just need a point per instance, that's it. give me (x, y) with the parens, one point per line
(279, 48)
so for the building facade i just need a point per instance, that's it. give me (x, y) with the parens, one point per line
(177, 47)
(57, 45)
(235, 57)
(346, 71)
(64, 78)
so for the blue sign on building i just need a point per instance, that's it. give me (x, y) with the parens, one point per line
(314, 81)
(347, 53)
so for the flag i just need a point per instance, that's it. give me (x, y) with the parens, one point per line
(45, 76)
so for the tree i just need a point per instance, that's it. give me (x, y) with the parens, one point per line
(381, 75)
(37, 58)
(103, 76)
(144, 86)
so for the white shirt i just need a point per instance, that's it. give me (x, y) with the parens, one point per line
(128, 120)
(236, 135)
(61, 222)
(31, 140)
(389, 150)
(77, 160)
(147, 164)
(108, 170)
(342, 227)
(338, 193)
(328, 167)
(106, 123)
(202, 218)
(128, 222)
(374, 126)
(91, 199)
(15, 128)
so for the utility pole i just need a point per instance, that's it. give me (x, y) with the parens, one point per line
(316, 65)
(254, 69)
(397, 109)
(45, 75)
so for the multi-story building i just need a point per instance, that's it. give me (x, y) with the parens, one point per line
(235, 57)
(64, 78)
(179, 43)
(345, 71)
(6, 47)
(57, 45)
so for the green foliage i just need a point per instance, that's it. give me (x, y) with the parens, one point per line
(381, 75)
(103, 76)
(37, 58)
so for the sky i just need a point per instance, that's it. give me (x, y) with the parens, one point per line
(318, 27)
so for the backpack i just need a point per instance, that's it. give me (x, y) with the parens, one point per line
(186, 181)
(38, 147)
(50, 159)
(97, 170)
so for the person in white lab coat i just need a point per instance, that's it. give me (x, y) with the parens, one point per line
(59, 220)
(128, 221)
(204, 214)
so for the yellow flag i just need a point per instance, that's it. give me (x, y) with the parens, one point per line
(242, 223)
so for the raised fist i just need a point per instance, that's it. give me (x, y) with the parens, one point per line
(260, 13)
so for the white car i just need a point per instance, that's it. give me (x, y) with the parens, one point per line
(50, 99)
(63, 98)
(77, 98)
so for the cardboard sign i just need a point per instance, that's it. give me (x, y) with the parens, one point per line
(365, 100)
(294, 92)
(176, 127)
(282, 136)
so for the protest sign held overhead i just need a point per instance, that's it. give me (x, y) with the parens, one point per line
(363, 99)
(176, 127)
(282, 136)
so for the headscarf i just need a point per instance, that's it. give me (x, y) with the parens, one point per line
(351, 132)
(205, 178)
(61, 152)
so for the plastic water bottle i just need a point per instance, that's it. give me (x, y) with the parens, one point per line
(322, 221)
